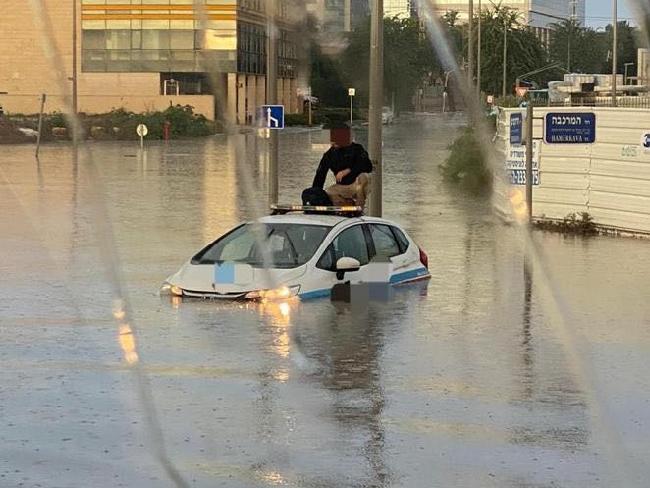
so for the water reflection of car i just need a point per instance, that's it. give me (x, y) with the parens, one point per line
(305, 255)
(387, 115)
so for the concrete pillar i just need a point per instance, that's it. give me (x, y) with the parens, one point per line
(288, 99)
(293, 96)
(250, 98)
(231, 96)
(280, 91)
(260, 92)
(241, 99)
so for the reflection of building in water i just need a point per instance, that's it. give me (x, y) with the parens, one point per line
(220, 189)
(147, 54)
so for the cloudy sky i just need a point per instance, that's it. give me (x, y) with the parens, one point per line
(599, 12)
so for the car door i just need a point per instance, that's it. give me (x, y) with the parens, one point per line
(350, 242)
(389, 245)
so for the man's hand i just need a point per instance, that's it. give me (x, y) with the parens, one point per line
(342, 174)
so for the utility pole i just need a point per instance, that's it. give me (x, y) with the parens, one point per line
(568, 49)
(75, 95)
(529, 160)
(272, 96)
(376, 77)
(505, 58)
(470, 45)
(478, 52)
(615, 56)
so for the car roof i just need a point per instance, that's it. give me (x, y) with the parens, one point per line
(305, 219)
(319, 219)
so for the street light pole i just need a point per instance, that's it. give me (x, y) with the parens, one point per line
(615, 55)
(505, 57)
(568, 51)
(75, 96)
(271, 98)
(478, 52)
(470, 44)
(376, 102)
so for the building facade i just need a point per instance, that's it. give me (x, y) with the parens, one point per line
(539, 14)
(398, 8)
(145, 54)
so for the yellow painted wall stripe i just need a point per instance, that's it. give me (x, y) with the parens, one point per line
(155, 17)
(156, 7)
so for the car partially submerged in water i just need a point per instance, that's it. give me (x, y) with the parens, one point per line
(300, 254)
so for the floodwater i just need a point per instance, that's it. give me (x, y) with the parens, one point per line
(467, 381)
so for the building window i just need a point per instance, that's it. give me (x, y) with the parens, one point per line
(287, 55)
(251, 48)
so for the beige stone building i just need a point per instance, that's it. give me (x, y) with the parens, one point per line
(147, 54)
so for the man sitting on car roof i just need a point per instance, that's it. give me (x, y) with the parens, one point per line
(350, 164)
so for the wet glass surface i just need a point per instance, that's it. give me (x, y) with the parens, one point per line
(465, 381)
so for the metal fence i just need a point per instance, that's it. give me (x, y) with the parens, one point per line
(622, 102)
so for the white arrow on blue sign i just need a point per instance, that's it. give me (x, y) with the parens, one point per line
(272, 116)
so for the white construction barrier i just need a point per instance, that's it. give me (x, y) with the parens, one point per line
(609, 178)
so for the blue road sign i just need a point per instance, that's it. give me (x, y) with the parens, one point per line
(272, 116)
(570, 128)
(516, 128)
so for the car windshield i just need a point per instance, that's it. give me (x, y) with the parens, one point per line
(289, 245)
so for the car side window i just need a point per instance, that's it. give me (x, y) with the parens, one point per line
(401, 240)
(385, 244)
(350, 243)
(327, 259)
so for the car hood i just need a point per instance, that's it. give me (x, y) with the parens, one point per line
(200, 278)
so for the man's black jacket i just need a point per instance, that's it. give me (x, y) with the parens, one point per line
(353, 157)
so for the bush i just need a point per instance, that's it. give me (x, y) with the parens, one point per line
(466, 165)
(574, 223)
(302, 119)
(184, 123)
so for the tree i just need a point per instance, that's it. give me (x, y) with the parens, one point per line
(408, 58)
(628, 40)
(326, 82)
(525, 51)
(579, 49)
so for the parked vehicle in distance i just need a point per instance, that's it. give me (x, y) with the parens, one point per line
(387, 115)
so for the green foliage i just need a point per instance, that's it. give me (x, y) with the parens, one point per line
(590, 50)
(326, 83)
(586, 46)
(574, 223)
(121, 124)
(525, 51)
(466, 165)
(408, 59)
(302, 119)
(628, 42)
(184, 123)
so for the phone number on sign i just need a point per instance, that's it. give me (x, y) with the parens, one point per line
(518, 177)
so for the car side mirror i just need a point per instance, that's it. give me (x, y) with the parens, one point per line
(346, 265)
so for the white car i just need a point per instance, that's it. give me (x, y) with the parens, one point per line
(387, 115)
(306, 255)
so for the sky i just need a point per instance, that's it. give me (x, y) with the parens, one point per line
(599, 12)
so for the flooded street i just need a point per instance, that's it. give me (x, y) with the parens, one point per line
(476, 379)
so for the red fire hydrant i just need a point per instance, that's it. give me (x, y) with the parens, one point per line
(167, 129)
